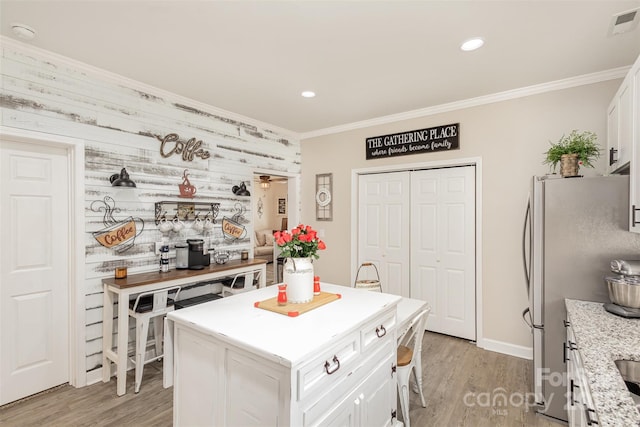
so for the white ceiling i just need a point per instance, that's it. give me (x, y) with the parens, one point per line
(365, 59)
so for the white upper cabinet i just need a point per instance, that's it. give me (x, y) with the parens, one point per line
(620, 127)
(623, 138)
(634, 199)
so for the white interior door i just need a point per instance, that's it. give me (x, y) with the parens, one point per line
(34, 269)
(443, 247)
(383, 228)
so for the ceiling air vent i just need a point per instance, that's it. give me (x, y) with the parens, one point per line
(624, 22)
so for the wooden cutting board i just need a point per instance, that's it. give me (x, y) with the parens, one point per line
(294, 310)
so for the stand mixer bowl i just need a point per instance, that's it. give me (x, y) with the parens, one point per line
(624, 290)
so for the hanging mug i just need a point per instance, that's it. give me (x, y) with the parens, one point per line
(165, 226)
(177, 224)
(198, 225)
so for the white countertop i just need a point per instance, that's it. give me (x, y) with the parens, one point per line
(285, 340)
(602, 338)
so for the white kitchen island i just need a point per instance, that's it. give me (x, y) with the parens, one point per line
(238, 365)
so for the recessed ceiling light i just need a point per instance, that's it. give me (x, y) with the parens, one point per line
(308, 94)
(472, 44)
(24, 32)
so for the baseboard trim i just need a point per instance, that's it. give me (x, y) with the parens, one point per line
(507, 348)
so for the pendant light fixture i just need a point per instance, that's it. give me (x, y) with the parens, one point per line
(264, 182)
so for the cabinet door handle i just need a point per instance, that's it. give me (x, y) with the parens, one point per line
(327, 365)
(612, 153)
(571, 389)
(588, 412)
(381, 331)
(633, 215)
(564, 352)
(573, 386)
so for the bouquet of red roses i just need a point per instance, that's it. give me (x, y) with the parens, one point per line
(301, 242)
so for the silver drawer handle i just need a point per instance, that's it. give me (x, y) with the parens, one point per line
(381, 331)
(326, 365)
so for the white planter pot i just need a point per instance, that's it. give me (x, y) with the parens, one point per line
(298, 275)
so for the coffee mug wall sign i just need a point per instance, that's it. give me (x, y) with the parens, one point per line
(232, 228)
(187, 190)
(117, 234)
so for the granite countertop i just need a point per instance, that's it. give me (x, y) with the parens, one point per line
(602, 338)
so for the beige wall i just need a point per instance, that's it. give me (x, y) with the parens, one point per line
(510, 137)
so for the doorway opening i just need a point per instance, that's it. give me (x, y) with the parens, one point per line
(270, 214)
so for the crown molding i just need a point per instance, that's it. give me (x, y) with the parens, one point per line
(586, 79)
(7, 42)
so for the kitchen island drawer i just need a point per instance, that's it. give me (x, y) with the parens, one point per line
(360, 385)
(375, 332)
(329, 367)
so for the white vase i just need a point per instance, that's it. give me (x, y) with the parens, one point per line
(298, 275)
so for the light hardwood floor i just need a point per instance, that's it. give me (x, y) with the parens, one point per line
(463, 386)
(461, 382)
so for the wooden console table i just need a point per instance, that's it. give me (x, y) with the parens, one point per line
(120, 290)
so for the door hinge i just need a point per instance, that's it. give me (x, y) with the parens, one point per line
(393, 369)
(394, 414)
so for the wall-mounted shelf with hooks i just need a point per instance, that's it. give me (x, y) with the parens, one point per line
(186, 211)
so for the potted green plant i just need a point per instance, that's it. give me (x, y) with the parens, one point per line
(572, 151)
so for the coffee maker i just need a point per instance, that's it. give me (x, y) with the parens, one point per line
(198, 258)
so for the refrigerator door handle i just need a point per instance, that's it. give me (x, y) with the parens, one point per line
(526, 262)
(526, 316)
(526, 313)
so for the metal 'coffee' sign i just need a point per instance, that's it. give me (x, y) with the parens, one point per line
(439, 138)
(171, 144)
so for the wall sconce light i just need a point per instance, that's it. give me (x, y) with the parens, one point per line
(240, 190)
(264, 181)
(121, 179)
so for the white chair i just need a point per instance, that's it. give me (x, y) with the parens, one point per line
(150, 305)
(247, 283)
(410, 360)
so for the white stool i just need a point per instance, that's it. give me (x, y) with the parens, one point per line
(150, 305)
(410, 360)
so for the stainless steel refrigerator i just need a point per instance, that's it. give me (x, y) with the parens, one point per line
(574, 227)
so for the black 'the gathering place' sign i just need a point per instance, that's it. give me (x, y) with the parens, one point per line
(439, 138)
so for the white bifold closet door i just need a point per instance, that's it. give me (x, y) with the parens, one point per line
(383, 229)
(443, 248)
(418, 227)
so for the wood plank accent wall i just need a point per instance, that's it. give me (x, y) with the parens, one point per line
(120, 121)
